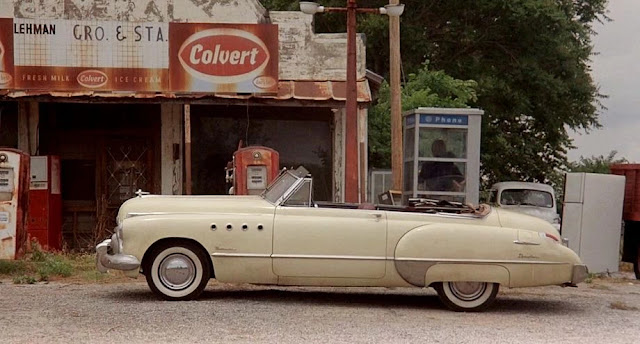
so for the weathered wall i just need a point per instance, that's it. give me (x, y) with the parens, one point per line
(218, 11)
(304, 55)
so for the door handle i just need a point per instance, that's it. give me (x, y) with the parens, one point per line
(377, 216)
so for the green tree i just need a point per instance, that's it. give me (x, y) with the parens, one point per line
(426, 88)
(530, 59)
(596, 164)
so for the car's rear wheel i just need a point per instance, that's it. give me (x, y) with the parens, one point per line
(177, 271)
(467, 296)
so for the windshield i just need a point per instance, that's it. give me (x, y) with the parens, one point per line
(279, 187)
(526, 197)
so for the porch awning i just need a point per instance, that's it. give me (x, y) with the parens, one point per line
(287, 90)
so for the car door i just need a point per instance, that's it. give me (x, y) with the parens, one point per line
(329, 242)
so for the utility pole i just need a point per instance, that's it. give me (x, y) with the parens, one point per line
(396, 101)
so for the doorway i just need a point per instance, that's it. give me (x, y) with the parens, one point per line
(107, 153)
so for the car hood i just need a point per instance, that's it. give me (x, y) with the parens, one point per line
(149, 205)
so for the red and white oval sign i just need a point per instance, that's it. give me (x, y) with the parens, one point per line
(5, 78)
(92, 78)
(224, 56)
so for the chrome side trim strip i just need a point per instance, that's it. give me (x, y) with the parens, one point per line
(427, 260)
(305, 256)
(241, 255)
(480, 261)
(518, 242)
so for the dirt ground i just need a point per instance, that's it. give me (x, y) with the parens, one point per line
(115, 310)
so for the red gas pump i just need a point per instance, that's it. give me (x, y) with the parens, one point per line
(45, 202)
(253, 169)
(14, 199)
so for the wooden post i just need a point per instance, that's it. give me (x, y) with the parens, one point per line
(396, 101)
(187, 147)
(351, 151)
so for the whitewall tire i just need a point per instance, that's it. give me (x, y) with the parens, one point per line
(177, 271)
(467, 296)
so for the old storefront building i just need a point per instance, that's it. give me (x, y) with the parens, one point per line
(157, 95)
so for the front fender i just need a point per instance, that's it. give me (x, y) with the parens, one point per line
(232, 234)
(141, 232)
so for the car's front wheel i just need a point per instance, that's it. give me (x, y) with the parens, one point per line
(177, 271)
(467, 296)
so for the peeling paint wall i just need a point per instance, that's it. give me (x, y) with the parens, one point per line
(219, 11)
(304, 55)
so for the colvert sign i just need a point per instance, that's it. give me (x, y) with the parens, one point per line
(223, 58)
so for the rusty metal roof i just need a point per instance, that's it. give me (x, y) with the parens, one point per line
(298, 90)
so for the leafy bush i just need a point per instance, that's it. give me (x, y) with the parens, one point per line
(24, 279)
(10, 267)
(54, 266)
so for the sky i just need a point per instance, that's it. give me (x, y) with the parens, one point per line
(616, 70)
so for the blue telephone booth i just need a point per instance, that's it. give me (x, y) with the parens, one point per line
(442, 154)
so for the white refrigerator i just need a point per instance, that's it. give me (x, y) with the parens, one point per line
(592, 218)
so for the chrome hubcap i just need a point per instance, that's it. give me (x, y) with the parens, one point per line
(468, 291)
(177, 271)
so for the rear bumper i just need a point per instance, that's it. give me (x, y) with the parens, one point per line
(106, 261)
(579, 274)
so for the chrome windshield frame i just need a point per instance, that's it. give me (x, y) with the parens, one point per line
(299, 175)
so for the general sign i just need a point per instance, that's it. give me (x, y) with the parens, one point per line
(90, 55)
(64, 55)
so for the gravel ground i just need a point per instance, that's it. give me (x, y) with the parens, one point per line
(604, 311)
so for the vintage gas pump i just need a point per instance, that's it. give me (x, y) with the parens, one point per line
(253, 169)
(45, 202)
(14, 198)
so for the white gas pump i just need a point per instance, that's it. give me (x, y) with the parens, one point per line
(14, 198)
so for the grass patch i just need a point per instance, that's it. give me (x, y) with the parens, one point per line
(11, 267)
(40, 265)
(54, 266)
(24, 279)
(622, 306)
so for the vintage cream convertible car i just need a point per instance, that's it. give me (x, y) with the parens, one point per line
(283, 237)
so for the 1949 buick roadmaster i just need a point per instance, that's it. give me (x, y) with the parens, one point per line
(283, 237)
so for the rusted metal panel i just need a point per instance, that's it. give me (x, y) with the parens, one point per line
(300, 90)
(631, 207)
(339, 91)
(312, 90)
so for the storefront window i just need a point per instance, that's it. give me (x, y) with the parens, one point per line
(443, 143)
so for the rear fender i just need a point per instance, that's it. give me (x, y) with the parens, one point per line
(455, 252)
